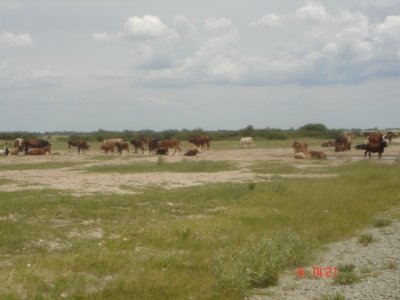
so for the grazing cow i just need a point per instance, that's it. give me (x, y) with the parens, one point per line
(34, 143)
(122, 146)
(113, 141)
(172, 144)
(40, 151)
(152, 144)
(72, 143)
(246, 141)
(138, 144)
(107, 147)
(299, 147)
(4, 151)
(201, 141)
(192, 152)
(82, 147)
(375, 146)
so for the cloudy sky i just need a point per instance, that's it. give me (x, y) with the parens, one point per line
(220, 64)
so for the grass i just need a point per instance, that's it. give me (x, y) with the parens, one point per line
(38, 166)
(209, 242)
(379, 223)
(346, 275)
(162, 166)
(365, 239)
(6, 181)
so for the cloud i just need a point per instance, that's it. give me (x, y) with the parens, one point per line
(220, 24)
(104, 36)
(109, 74)
(268, 20)
(147, 27)
(9, 5)
(15, 40)
(152, 100)
(312, 12)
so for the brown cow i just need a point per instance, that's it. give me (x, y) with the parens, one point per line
(72, 143)
(34, 143)
(82, 147)
(138, 144)
(152, 144)
(173, 144)
(122, 146)
(375, 144)
(107, 147)
(390, 135)
(299, 147)
(201, 141)
(192, 152)
(40, 151)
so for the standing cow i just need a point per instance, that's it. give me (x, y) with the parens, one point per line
(246, 141)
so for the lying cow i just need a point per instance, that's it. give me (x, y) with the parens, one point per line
(34, 143)
(40, 151)
(299, 146)
(191, 152)
(4, 151)
(310, 154)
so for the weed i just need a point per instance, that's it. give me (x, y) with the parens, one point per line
(365, 239)
(346, 275)
(336, 296)
(160, 160)
(251, 186)
(382, 223)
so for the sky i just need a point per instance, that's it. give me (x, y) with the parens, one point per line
(69, 65)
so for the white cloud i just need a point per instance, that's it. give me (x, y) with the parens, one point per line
(104, 36)
(109, 74)
(153, 100)
(220, 24)
(15, 40)
(144, 28)
(312, 11)
(45, 77)
(268, 20)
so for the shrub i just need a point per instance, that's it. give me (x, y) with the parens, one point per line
(365, 239)
(346, 275)
(382, 223)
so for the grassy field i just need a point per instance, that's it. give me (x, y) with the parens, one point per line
(216, 241)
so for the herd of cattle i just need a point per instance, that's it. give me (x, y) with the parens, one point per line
(155, 146)
(376, 144)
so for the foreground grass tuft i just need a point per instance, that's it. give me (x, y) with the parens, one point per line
(365, 239)
(346, 275)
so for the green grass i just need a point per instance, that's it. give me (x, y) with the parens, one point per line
(38, 166)
(346, 275)
(365, 239)
(209, 242)
(382, 223)
(162, 166)
(6, 181)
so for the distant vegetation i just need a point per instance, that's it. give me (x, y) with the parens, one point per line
(308, 130)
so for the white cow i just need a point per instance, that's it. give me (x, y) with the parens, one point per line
(4, 151)
(246, 141)
(113, 141)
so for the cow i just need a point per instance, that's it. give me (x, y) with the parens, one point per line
(113, 141)
(192, 152)
(14, 151)
(19, 144)
(4, 151)
(375, 147)
(82, 147)
(299, 146)
(170, 144)
(310, 154)
(138, 144)
(328, 144)
(343, 142)
(152, 144)
(34, 143)
(246, 141)
(201, 141)
(122, 146)
(72, 143)
(390, 135)
(107, 147)
(40, 151)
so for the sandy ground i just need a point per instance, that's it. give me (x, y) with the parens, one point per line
(77, 181)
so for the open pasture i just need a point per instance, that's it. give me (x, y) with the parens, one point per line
(213, 226)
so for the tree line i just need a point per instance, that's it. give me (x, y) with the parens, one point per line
(309, 130)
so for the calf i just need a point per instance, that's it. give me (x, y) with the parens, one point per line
(122, 146)
(40, 151)
(192, 152)
(107, 147)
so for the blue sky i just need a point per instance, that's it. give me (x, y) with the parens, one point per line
(86, 65)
